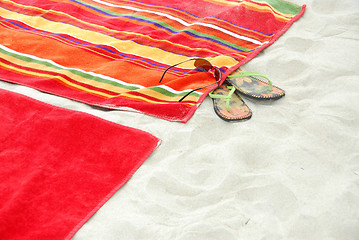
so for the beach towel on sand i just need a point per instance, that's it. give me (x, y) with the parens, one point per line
(112, 53)
(58, 166)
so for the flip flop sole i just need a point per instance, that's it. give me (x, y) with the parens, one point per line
(255, 88)
(239, 111)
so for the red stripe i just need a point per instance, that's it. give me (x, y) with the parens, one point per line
(135, 93)
(197, 47)
(55, 77)
(93, 49)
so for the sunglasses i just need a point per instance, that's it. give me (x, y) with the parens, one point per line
(202, 65)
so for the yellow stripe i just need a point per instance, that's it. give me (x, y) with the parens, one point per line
(224, 2)
(26, 72)
(124, 46)
(152, 93)
(125, 95)
(130, 96)
(95, 37)
(75, 77)
(105, 86)
(105, 28)
(98, 38)
(223, 60)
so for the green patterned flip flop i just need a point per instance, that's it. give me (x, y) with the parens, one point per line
(246, 83)
(229, 106)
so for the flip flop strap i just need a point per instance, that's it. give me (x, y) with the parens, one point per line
(228, 97)
(252, 74)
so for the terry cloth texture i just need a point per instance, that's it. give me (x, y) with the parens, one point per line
(112, 53)
(58, 167)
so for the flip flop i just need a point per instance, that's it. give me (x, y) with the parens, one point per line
(229, 106)
(246, 83)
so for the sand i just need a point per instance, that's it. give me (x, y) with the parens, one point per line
(290, 172)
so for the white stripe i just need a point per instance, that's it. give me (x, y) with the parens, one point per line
(175, 91)
(80, 70)
(184, 22)
(94, 74)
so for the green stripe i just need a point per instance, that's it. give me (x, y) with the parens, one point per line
(74, 71)
(165, 25)
(283, 6)
(89, 76)
(171, 94)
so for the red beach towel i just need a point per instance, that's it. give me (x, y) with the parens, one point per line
(58, 166)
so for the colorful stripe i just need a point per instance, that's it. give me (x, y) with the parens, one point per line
(77, 78)
(112, 53)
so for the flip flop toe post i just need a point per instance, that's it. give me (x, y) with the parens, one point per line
(229, 106)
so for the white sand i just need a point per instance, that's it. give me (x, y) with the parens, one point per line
(291, 172)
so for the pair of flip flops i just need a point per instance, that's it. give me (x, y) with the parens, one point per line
(227, 101)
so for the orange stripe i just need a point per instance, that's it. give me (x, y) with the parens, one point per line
(63, 54)
(58, 78)
(138, 37)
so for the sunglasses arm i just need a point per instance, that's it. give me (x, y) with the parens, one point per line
(218, 82)
(164, 73)
(174, 66)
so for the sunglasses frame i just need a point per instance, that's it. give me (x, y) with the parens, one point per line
(217, 74)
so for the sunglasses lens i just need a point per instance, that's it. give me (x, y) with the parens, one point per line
(217, 74)
(203, 64)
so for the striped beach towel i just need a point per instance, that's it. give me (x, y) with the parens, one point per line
(112, 53)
